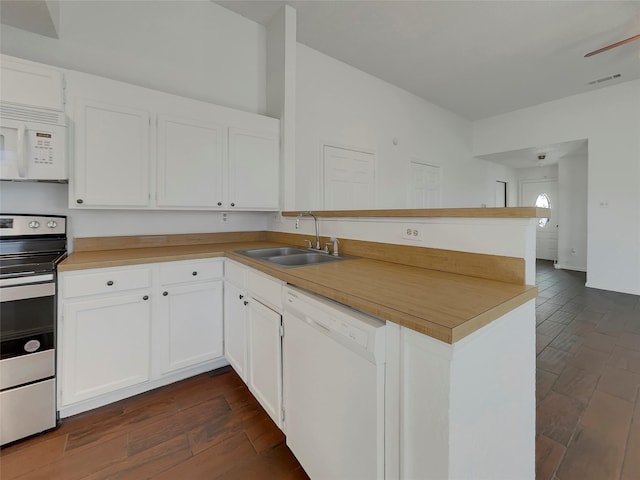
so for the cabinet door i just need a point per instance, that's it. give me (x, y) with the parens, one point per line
(265, 359)
(111, 161)
(104, 345)
(235, 329)
(254, 170)
(190, 325)
(190, 162)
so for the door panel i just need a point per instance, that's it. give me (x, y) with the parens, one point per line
(190, 156)
(546, 232)
(425, 183)
(111, 156)
(348, 179)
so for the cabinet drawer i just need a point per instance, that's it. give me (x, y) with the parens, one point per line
(235, 273)
(180, 272)
(110, 281)
(266, 289)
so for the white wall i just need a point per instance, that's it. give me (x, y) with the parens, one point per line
(573, 198)
(341, 105)
(610, 119)
(196, 49)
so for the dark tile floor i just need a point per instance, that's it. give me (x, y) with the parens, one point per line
(588, 379)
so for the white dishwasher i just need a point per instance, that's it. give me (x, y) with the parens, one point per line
(333, 385)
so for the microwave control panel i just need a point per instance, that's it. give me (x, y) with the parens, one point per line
(42, 147)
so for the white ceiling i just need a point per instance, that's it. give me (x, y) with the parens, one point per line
(475, 58)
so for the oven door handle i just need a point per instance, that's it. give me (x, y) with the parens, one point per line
(23, 292)
(26, 280)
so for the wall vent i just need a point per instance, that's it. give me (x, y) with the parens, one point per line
(604, 79)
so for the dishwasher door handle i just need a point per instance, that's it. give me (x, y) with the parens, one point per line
(320, 326)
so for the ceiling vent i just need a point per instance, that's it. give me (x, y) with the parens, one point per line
(605, 79)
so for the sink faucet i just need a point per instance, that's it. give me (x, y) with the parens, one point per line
(302, 214)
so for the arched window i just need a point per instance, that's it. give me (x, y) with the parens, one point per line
(543, 202)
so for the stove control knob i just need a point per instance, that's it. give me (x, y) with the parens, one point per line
(52, 224)
(34, 224)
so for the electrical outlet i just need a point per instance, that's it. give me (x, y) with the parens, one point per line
(412, 232)
(224, 217)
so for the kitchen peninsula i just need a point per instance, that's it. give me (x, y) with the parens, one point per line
(460, 360)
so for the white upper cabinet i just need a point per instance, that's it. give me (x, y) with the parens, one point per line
(140, 148)
(30, 84)
(254, 176)
(111, 156)
(190, 163)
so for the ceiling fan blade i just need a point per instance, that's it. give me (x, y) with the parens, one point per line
(613, 45)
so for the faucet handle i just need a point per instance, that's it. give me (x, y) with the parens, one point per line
(335, 245)
(309, 244)
(326, 247)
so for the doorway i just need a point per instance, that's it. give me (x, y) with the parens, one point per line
(543, 194)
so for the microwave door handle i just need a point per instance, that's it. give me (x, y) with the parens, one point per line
(20, 153)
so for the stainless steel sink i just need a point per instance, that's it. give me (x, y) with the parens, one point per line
(303, 259)
(290, 256)
(272, 252)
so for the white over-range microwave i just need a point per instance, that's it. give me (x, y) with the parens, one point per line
(32, 144)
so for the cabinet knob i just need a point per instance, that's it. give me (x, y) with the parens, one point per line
(233, 204)
(109, 283)
(219, 204)
(240, 296)
(79, 200)
(246, 303)
(146, 297)
(194, 273)
(164, 294)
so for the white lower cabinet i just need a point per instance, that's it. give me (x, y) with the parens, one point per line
(235, 328)
(265, 358)
(105, 345)
(253, 341)
(189, 325)
(465, 410)
(119, 335)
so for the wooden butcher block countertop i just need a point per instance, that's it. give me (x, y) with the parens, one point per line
(446, 306)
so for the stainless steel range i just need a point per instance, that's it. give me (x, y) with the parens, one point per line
(30, 248)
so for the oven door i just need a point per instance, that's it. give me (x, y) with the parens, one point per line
(28, 317)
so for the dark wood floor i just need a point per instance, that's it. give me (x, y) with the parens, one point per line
(588, 376)
(206, 427)
(211, 427)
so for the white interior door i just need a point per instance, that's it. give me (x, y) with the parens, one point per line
(348, 179)
(425, 185)
(547, 230)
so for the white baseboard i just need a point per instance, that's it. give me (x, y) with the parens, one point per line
(562, 266)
